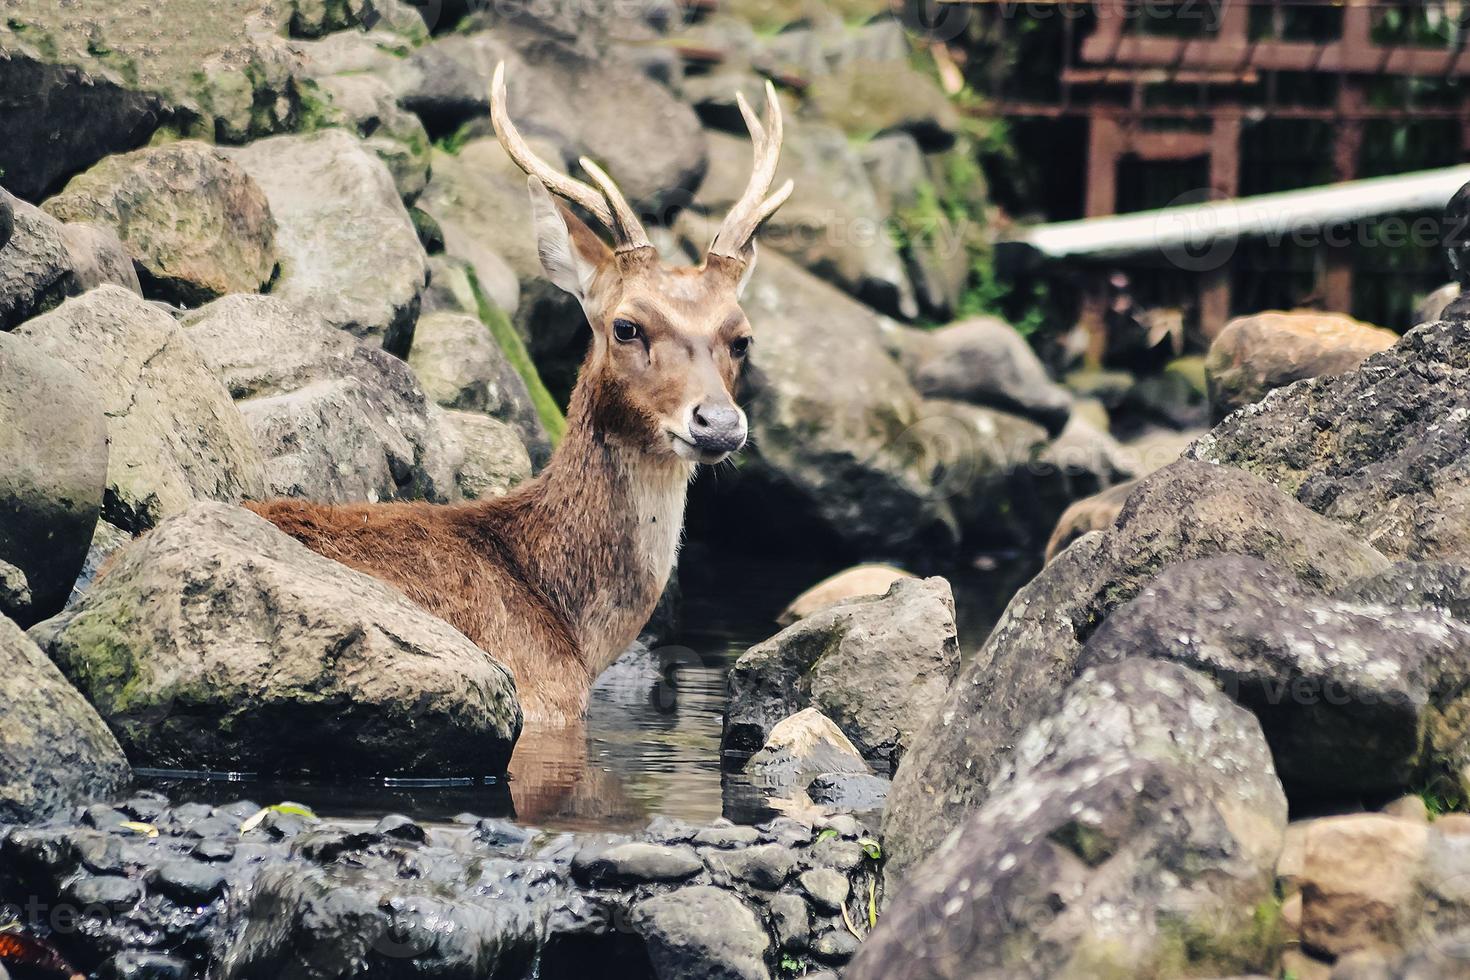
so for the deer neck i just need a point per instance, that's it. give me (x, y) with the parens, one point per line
(606, 518)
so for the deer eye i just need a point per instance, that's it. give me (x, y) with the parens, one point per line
(739, 346)
(626, 331)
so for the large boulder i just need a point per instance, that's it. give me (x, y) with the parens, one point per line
(489, 456)
(1184, 511)
(55, 751)
(337, 420)
(53, 468)
(218, 642)
(460, 366)
(875, 665)
(478, 198)
(43, 261)
(1379, 449)
(196, 226)
(845, 461)
(1354, 699)
(175, 436)
(1256, 354)
(348, 248)
(702, 933)
(1135, 833)
(367, 105)
(984, 361)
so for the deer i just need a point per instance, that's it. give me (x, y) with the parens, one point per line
(556, 578)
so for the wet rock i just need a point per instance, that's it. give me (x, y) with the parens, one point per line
(337, 420)
(874, 665)
(174, 435)
(1256, 354)
(790, 923)
(1184, 511)
(832, 225)
(984, 361)
(189, 882)
(826, 888)
(1135, 833)
(494, 460)
(54, 749)
(765, 866)
(845, 463)
(1381, 449)
(852, 792)
(195, 225)
(1095, 513)
(349, 252)
(461, 367)
(872, 578)
(1353, 698)
(171, 645)
(53, 469)
(635, 862)
(801, 746)
(702, 933)
(726, 837)
(138, 965)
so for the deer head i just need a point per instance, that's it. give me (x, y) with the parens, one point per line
(668, 343)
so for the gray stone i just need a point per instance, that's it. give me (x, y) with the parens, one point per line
(765, 866)
(55, 751)
(1185, 510)
(366, 105)
(53, 469)
(702, 933)
(217, 642)
(36, 271)
(196, 226)
(336, 419)
(800, 746)
(1417, 585)
(635, 862)
(1381, 449)
(875, 665)
(175, 437)
(853, 792)
(98, 257)
(1135, 833)
(1353, 698)
(492, 460)
(348, 249)
(827, 888)
(791, 924)
(984, 361)
(836, 947)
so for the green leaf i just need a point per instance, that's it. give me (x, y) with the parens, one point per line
(827, 834)
(871, 848)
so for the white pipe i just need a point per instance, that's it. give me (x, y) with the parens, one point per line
(1194, 226)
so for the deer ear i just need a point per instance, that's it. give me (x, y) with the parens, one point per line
(570, 253)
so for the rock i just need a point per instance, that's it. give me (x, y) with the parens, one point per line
(1417, 585)
(765, 866)
(461, 367)
(984, 361)
(196, 226)
(36, 269)
(217, 642)
(337, 420)
(98, 257)
(875, 665)
(1095, 513)
(348, 249)
(1184, 511)
(827, 889)
(1353, 699)
(494, 459)
(800, 746)
(832, 225)
(53, 469)
(702, 933)
(478, 198)
(366, 105)
(1256, 354)
(174, 435)
(865, 96)
(1432, 307)
(831, 463)
(1135, 833)
(1379, 449)
(55, 751)
(635, 862)
(871, 578)
(99, 81)
(850, 792)
(1361, 882)
(791, 923)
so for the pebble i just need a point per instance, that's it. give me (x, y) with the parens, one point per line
(826, 888)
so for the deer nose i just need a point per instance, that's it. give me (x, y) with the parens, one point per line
(717, 428)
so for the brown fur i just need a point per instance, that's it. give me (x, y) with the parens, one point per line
(555, 579)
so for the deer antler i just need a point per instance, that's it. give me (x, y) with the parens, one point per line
(753, 208)
(607, 205)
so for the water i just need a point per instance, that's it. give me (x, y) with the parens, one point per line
(652, 742)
